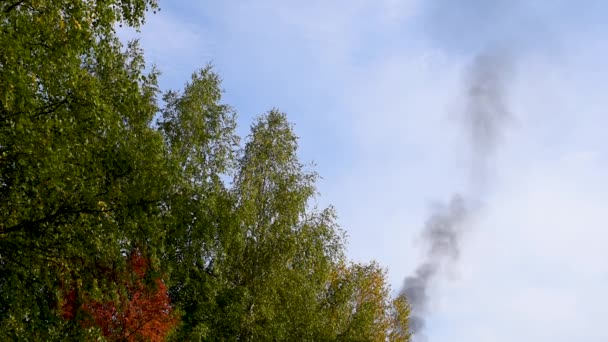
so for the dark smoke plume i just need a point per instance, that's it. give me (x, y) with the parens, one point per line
(484, 118)
(442, 233)
(486, 112)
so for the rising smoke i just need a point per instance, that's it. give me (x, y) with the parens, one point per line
(484, 118)
(486, 113)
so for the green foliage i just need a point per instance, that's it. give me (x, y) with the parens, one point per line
(200, 223)
(87, 177)
(288, 251)
(358, 306)
(81, 171)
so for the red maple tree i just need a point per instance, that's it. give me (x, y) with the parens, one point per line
(144, 313)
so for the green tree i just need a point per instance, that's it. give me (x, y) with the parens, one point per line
(199, 132)
(358, 306)
(288, 249)
(81, 171)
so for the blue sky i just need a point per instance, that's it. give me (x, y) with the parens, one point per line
(373, 88)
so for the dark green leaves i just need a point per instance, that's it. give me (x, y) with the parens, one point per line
(81, 171)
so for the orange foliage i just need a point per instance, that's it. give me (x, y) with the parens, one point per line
(144, 313)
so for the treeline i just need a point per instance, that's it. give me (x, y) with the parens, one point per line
(128, 218)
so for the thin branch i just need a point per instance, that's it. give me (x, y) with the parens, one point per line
(11, 7)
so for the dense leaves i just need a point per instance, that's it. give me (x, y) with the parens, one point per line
(127, 220)
(81, 171)
(142, 311)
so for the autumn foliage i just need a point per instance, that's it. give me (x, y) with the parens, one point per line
(142, 313)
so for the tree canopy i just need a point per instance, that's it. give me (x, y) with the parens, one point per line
(125, 217)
